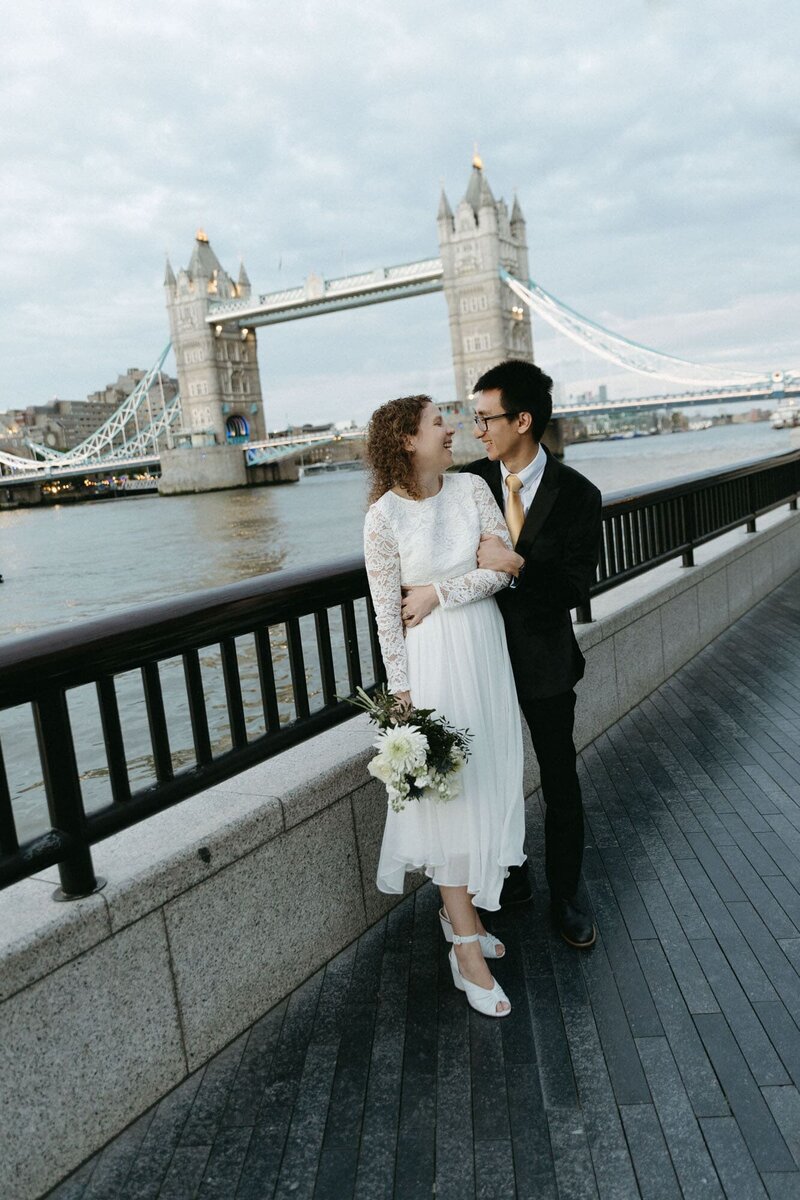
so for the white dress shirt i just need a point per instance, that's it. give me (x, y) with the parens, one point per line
(530, 477)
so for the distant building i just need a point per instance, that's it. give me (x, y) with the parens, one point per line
(12, 434)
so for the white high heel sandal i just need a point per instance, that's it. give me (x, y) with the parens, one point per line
(489, 943)
(483, 1000)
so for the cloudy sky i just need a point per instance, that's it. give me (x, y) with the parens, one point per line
(654, 146)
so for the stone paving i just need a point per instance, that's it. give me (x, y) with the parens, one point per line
(663, 1063)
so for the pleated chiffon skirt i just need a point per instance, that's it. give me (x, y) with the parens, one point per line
(458, 664)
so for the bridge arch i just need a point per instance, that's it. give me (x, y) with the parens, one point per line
(237, 428)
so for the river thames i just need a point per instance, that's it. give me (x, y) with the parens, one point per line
(75, 562)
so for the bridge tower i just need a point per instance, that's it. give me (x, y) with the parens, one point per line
(487, 323)
(218, 377)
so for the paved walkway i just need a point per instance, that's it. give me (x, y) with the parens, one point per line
(664, 1063)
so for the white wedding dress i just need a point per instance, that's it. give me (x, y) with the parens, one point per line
(455, 661)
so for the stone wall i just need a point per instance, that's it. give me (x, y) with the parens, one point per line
(216, 909)
(201, 469)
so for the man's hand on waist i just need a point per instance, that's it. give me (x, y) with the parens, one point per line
(494, 555)
(417, 603)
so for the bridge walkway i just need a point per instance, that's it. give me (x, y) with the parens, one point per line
(664, 1063)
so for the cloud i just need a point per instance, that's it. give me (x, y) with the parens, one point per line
(654, 151)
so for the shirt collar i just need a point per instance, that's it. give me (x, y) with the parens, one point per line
(530, 473)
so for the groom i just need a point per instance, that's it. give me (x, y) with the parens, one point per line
(553, 514)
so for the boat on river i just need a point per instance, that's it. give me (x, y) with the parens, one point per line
(328, 468)
(787, 416)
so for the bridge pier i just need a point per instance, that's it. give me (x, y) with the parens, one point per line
(190, 469)
(27, 496)
(285, 471)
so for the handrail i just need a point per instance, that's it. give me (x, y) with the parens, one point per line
(44, 669)
(75, 654)
(644, 529)
(264, 624)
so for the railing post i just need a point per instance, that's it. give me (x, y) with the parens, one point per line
(751, 520)
(584, 613)
(9, 843)
(64, 801)
(687, 507)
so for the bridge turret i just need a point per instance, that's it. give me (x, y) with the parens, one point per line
(472, 196)
(485, 197)
(243, 283)
(486, 324)
(218, 376)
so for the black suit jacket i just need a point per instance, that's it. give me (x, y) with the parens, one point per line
(559, 542)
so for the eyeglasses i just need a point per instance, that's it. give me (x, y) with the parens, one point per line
(483, 422)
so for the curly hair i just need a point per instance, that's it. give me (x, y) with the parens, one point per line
(391, 465)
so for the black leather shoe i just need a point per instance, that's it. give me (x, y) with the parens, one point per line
(516, 888)
(573, 925)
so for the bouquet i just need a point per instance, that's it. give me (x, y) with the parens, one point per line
(419, 754)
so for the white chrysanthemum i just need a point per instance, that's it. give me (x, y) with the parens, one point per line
(403, 747)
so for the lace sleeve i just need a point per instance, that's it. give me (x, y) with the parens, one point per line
(478, 584)
(383, 570)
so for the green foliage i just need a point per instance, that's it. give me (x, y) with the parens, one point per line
(448, 747)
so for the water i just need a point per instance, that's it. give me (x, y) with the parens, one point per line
(614, 466)
(80, 561)
(86, 560)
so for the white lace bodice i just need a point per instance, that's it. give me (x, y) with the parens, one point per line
(409, 542)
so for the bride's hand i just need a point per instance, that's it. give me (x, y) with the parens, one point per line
(402, 702)
(417, 603)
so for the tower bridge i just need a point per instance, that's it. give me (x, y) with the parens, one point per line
(213, 435)
(317, 295)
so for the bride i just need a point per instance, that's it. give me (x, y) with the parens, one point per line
(443, 646)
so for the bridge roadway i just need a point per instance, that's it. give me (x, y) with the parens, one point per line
(664, 1063)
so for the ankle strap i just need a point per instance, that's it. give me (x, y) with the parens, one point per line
(473, 937)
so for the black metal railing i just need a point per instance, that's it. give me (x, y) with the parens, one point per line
(642, 530)
(277, 627)
(254, 668)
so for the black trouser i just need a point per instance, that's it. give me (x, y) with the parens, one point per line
(551, 722)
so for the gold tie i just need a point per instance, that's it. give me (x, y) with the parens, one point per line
(515, 513)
